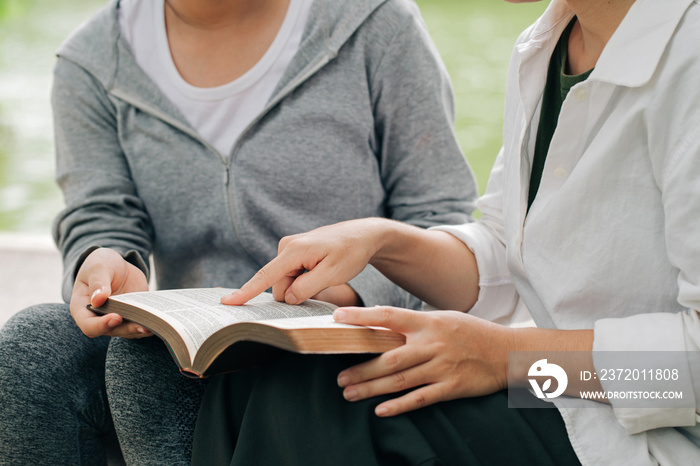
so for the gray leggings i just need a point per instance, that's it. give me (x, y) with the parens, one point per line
(53, 395)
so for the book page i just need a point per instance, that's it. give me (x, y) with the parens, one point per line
(315, 321)
(197, 313)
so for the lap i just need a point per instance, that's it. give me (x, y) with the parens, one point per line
(292, 412)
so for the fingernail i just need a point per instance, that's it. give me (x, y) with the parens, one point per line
(350, 394)
(381, 411)
(113, 323)
(343, 380)
(289, 298)
(339, 315)
(140, 329)
(95, 293)
(231, 298)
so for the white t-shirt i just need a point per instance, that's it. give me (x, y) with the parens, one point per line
(219, 113)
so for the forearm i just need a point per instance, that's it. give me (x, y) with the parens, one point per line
(103, 208)
(432, 265)
(375, 289)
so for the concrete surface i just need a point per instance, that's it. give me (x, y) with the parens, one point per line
(30, 272)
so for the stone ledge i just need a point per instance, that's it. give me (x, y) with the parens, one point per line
(30, 272)
(31, 242)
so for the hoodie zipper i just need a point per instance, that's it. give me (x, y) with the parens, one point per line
(226, 161)
(272, 103)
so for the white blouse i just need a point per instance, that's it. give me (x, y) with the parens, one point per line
(612, 240)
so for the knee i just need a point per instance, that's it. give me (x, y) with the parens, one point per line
(138, 354)
(31, 329)
(43, 343)
(51, 374)
(144, 367)
(137, 363)
(31, 316)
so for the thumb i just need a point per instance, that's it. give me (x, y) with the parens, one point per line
(99, 289)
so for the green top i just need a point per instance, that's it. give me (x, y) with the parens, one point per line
(558, 85)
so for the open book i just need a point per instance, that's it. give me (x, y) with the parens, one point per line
(206, 337)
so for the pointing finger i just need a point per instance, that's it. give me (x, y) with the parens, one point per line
(276, 270)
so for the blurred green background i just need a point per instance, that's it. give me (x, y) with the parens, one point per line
(474, 37)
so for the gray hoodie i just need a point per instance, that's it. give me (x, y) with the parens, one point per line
(359, 125)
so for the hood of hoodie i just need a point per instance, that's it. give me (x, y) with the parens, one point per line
(99, 47)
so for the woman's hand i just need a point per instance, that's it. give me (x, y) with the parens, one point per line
(447, 355)
(314, 264)
(104, 273)
(434, 266)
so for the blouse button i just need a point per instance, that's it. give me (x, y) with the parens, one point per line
(581, 93)
(560, 172)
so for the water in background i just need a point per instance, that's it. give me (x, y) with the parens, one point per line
(30, 33)
(475, 38)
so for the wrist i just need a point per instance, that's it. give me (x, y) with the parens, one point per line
(570, 349)
(504, 340)
(390, 239)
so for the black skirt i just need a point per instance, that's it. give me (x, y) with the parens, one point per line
(291, 412)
